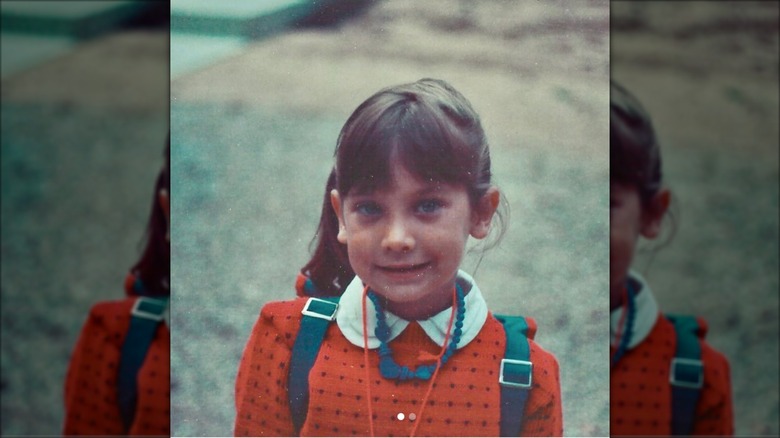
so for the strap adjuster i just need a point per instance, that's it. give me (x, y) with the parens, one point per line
(687, 373)
(320, 309)
(149, 308)
(519, 373)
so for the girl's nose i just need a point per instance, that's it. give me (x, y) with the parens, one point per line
(397, 237)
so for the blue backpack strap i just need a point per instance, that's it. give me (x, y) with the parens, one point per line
(516, 374)
(686, 375)
(146, 314)
(318, 313)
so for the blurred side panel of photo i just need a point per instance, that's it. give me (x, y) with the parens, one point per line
(84, 125)
(707, 75)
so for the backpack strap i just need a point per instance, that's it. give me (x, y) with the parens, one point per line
(516, 374)
(318, 313)
(146, 314)
(686, 375)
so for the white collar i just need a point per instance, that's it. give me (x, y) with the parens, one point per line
(350, 318)
(646, 313)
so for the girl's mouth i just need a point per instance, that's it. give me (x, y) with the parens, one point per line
(404, 269)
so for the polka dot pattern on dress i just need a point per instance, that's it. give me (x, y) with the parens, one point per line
(640, 394)
(90, 387)
(465, 400)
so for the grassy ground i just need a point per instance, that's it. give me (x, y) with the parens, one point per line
(708, 75)
(253, 139)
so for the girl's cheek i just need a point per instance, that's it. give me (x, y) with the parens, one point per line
(359, 241)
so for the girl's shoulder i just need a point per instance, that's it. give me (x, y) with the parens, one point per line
(107, 322)
(282, 317)
(113, 315)
(110, 320)
(665, 338)
(499, 329)
(283, 310)
(116, 311)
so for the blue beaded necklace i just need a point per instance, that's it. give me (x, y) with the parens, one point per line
(388, 367)
(630, 316)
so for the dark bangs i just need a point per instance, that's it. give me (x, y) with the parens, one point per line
(431, 141)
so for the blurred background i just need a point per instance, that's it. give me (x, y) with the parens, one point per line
(258, 96)
(84, 120)
(707, 72)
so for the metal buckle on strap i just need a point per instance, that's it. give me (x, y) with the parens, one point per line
(320, 309)
(519, 374)
(687, 373)
(149, 308)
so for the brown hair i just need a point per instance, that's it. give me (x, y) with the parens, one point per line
(635, 157)
(426, 126)
(153, 267)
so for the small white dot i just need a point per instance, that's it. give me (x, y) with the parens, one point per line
(400, 416)
(412, 417)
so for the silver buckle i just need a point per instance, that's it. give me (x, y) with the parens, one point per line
(139, 312)
(682, 362)
(317, 314)
(524, 363)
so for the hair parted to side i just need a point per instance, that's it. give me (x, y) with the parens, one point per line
(426, 126)
(154, 265)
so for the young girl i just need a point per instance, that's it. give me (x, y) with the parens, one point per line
(118, 380)
(413, 349)
(663, 381)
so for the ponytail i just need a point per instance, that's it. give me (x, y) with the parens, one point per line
(154, 266)
(329, 269)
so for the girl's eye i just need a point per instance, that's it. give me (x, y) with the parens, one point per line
(368, 209)
(429, 206)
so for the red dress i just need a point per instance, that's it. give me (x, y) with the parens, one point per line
(464, 401)
(91, 406)
(640, 392)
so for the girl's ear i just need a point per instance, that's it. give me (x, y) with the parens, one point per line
(335, 201)
(483, 214)
(653, 214)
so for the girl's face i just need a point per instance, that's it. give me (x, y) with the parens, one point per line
(406, 241)
(628, 219)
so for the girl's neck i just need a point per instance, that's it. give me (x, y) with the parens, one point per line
(421, 309)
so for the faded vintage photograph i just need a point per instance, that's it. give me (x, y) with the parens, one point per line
(416, 96)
